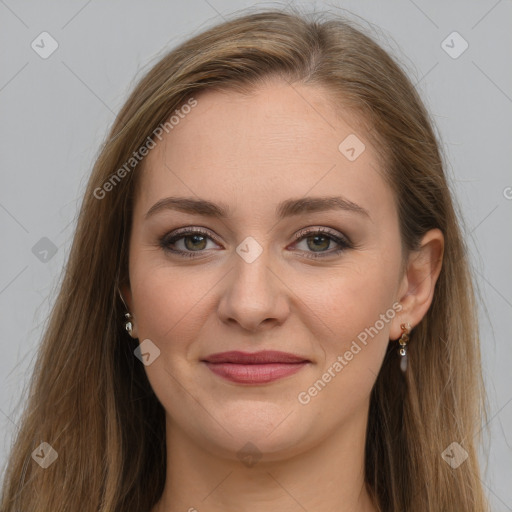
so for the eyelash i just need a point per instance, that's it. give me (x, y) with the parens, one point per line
(168, 240)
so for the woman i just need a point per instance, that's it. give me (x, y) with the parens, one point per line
(267, 304)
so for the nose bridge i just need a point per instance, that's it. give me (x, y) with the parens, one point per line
(252, 276)
(253, 292)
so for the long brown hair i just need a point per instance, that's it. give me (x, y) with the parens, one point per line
(90, 398)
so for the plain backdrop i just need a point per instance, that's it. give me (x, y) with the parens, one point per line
(56, 111)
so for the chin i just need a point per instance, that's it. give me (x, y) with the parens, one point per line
(263, 429)
(250, 446)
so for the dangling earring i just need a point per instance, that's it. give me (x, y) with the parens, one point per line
(128, 324)
(406, 329)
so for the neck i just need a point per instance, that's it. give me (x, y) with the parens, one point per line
(328, 476)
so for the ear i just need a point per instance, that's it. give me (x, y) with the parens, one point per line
(126, 294)
(417, 285)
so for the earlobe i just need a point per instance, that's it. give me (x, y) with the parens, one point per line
(419, 280)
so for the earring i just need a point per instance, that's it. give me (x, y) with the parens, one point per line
(128, 324)
(406, 329)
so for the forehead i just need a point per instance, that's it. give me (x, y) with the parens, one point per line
(256, 150)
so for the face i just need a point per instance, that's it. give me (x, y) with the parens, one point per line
(319, 283)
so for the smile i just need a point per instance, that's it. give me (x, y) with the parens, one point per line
(254, 368)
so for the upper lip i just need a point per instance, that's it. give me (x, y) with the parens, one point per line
(262, 357)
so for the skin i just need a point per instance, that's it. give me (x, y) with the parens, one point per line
(251, 153)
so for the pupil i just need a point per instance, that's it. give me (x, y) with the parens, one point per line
(195, 238)
(317, 237)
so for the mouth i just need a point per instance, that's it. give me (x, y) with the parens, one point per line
(255, 368)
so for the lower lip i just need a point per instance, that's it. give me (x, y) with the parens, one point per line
(254, 373)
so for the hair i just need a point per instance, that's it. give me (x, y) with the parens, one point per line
(90, 398)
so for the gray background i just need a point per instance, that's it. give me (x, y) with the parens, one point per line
(56, 111)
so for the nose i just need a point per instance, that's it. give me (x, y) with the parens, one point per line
(254, 296)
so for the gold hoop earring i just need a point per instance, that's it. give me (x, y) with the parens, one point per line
(406, 329)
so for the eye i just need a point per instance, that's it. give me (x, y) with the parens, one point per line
(193, 241)
(189, 242)
(317, 242)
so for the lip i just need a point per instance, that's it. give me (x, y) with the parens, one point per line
(254, 367)
(262, 357)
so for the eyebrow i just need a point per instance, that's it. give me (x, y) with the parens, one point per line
(287, 208)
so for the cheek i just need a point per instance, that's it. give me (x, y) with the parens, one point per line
(354, 311)
(353, 297)
(168, 302)
(353, 348)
